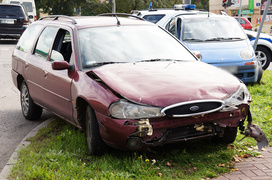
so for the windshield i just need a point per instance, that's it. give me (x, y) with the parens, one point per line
(28, 6)
(129, 44)
(212, 29)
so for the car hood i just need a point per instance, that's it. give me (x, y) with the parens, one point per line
(218, 52)
(166, 83)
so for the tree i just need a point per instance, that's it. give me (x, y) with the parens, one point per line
(61, 7)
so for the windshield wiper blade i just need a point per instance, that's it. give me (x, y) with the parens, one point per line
(99, 64)
(192, 39)
(214, 39)
(152, 60)
(223, 39)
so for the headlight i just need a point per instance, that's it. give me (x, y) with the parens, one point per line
(240, 97)
(246, 54)
(126, 110)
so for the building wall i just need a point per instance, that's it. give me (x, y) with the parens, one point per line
(254, 16)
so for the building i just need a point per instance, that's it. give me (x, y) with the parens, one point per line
(252, 9)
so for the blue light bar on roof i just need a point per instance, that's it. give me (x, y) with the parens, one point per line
(190, 7)
(184, 6)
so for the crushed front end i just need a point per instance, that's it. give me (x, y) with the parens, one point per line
(139, 127)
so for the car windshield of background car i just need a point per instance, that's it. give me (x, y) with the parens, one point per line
(212, 29)
(129, 44)
(28, 6)
(11, 11)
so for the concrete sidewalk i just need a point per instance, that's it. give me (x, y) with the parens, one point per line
(252, 168)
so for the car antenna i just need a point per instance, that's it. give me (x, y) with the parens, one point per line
(118, 22)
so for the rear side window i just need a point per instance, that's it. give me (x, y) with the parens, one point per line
(11, 11)
(45, 42)
(27, 39)
(28, 6)
(154, 18)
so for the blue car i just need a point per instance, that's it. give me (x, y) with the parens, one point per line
(221, 42)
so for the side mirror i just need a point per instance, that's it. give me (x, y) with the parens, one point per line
(249, 36)
(197, 54)
(61, 65)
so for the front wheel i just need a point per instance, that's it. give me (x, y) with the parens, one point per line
(263, 56)
(30, 110)
(228, 137)
(96, 145)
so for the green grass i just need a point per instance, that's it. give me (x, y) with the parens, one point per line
(59, 152)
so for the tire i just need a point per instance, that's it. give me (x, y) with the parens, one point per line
(30, 110)
(229, 136)
(263, 56)
(260, 75)
(96, 145)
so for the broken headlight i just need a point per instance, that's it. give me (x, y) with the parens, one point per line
(239, 97)
(126, 110)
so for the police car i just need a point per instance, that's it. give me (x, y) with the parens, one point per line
(163, 16)
(220, 39)
(264, 47)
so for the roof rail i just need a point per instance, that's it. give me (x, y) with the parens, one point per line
(121, 14)
(56, 17)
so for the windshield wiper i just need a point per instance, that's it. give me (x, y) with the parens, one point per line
(214, 39)
(152, 60)
(99, 64)
(223, 39)
(192, 39)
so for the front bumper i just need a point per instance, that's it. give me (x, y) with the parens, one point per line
(247, 73)
(140, 135)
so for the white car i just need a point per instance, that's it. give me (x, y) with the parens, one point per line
(163, 16)
(264, 47)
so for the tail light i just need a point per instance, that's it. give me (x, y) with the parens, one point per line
(35, 18)
(26, 21)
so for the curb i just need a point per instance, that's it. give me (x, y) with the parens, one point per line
(24, 143)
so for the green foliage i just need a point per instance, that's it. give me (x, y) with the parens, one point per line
(94, 7)
(59, 152)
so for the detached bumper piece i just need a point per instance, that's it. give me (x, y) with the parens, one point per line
(255, 132)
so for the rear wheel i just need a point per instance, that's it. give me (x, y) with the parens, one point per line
(30, 110)
(96, 145)
(228, 137)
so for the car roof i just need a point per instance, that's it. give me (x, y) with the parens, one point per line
(169, 14)
(204, 16)
(92, 21)
(10, 5)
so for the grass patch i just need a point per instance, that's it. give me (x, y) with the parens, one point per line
(59, 151)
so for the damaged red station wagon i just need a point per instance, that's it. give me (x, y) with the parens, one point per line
(126, 82)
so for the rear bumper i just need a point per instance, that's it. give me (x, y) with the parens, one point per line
(12, 32)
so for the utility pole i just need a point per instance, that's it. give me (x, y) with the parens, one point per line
(113, 6)
(261, 25)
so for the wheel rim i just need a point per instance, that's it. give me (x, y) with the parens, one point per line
(25, 100)
(261, 57)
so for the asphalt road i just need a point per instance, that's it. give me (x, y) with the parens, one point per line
(13, 126)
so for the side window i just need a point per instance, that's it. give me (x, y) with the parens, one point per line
(62, 48)
(45, 42)
(172, 26)
(27, 39)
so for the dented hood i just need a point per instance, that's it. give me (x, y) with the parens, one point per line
(169, 82)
